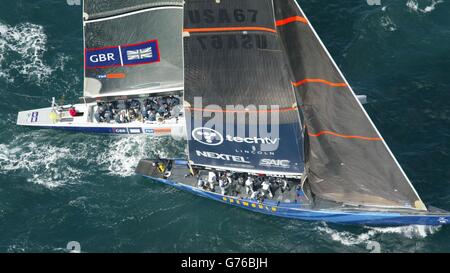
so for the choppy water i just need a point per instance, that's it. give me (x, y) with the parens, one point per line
(59, 187)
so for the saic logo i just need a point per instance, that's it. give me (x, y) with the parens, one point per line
(275, 163)
(207, 136)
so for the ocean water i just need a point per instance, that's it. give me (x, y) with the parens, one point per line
(59, 187)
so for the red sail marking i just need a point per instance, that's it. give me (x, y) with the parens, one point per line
(334, 84)
(222, 29)
(344, 136)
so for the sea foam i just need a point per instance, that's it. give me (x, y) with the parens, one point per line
(22, 49)
(414, 6)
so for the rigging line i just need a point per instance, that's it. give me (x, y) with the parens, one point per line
(302, 82)
(292, 19)
(344, 136)
(224, 29)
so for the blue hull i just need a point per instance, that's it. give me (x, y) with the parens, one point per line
(295, 211)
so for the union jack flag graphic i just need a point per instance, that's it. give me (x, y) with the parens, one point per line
(140, 54)
(123, 55)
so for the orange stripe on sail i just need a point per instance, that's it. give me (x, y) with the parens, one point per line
(334, 84)
(292, 19)
(243, 111)
(222, 29)
(344, 136)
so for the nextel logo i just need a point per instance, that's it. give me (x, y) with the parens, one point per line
(207, 136)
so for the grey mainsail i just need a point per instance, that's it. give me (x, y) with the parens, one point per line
(347, 161)
(105, 8)
(132, 47)
(233, 56)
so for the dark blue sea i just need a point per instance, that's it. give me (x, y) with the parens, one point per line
(59, 187)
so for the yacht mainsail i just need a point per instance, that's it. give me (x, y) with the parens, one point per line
(132, 47)
(235, 62)
(347, 160)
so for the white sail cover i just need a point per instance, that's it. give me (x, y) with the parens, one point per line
(132, 47)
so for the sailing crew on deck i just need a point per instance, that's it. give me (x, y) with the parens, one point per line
(201, 184)
(121, 117)
(72, 112)
(108, 115)
(249, 185)
(255, 194)
(284, 185)
(224, 183)
(135, 104)
(131, 114)
(100, 113)
(152, 115)
(266, 189)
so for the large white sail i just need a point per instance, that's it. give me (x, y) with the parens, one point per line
(132, 47)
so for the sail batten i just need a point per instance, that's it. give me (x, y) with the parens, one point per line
(347, 159)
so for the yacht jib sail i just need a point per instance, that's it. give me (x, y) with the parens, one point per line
(347, 160)
(234, 62)
(132, 47)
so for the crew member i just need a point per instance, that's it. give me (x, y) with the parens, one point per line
(266, 189)
(212, 178)
(224, 183)
(249, 185)
(72, 112)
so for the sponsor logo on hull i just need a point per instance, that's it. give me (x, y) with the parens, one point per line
(120, 130)
(225, 157)
(135, 131)
(158, 131)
